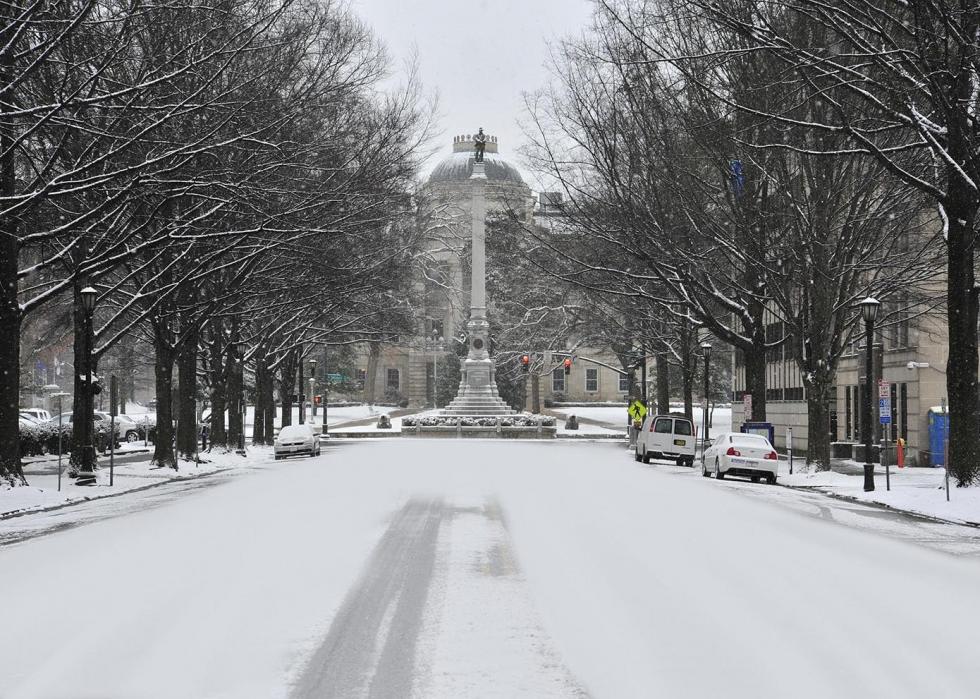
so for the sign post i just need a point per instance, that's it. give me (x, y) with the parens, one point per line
(789, 448)
(113, 411)
(885, 418)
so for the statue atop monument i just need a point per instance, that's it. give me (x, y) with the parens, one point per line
(480, 143)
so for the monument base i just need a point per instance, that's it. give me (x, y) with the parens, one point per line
(477, 394)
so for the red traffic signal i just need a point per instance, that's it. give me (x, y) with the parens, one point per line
(317, 400)
(525, 362)
(568, 365)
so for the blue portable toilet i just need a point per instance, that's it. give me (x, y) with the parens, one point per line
(938, 432)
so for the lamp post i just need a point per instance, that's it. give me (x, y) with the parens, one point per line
(869, 311)
(239, 349)
(86, 474)
(706, 351)
(312, 390)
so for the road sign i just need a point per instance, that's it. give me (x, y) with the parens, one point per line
(884, 402)
(335, 378)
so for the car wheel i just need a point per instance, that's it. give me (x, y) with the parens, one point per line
(646, 457)
(755, 479)
(704, 469)
(636, 454)
(132, 436)
(681, 462)
(718, 474)
(771, 479)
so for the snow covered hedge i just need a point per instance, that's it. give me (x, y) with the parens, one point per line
(522, 420)
(42, 438)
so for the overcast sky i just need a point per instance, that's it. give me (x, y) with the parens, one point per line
(479, 55)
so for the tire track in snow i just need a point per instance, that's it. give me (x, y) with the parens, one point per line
(369, 650)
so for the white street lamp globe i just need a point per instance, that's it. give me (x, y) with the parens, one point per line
(869, 309)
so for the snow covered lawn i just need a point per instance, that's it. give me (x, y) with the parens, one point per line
(919, 490)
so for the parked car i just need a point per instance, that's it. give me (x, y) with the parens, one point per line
(666, 437)
(741, 454)
(295, 440)
(128, 429)
(101, 420)
(37, 414)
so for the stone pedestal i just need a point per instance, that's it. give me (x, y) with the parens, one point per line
(478, 393)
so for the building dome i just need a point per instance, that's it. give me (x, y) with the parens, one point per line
(459, 166)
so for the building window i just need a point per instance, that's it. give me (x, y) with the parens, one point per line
(592, 380)
(847, 413)
(893, 399)
(558, 380)
(391, 379)
(624, 383)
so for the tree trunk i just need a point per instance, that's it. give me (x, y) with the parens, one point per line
(961, 368)
(755, 382)
(258, 426)
(535, 394)
(818, 425)
(371, 378)
(187, 398)
(270, 408)
(234, 401)
(163, 370)
(687, 378)
(216, 366)
(287, 380)
(663, 384)
(10, 315)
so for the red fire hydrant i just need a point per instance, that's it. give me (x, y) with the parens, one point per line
(901, 452)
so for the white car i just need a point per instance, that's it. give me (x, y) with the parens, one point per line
(100, 419)
(741, 454)
(127, 428)
(36, 414)
(294, 440)
(666, 437)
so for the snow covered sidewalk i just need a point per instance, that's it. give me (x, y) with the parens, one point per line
(43, 493)
(916, 490)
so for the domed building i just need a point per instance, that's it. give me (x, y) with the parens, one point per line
(408, 369)
(450, 182)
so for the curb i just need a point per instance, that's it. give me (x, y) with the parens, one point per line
(880, 505)
(51, 508)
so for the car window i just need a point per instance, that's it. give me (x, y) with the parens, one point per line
(662, 425)
(750, 440)
(292, 431)
(682, 427)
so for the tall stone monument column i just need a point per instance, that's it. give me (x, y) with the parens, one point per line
(478, 393)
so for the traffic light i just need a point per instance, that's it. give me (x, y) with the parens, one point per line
(568, 365)
(525, 363)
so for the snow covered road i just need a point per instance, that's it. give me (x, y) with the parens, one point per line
(415, 568)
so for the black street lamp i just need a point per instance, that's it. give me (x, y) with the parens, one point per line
(86, 474)
(869, 311)
(706, 351)
(312, 389)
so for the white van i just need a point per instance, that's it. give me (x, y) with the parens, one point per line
(666, 437)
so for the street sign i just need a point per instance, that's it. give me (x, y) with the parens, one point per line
(335, 378)
(747, 407)
(884, 402)
(113, 396)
